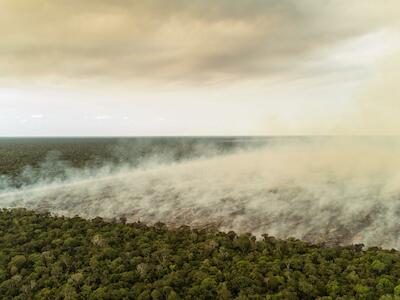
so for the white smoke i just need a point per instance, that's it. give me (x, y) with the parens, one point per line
(337, 191)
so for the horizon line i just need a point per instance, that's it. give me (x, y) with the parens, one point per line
(201, 136)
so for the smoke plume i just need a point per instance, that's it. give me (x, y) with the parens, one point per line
(332, 190)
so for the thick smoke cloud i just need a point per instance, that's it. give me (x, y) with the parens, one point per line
(337, 191)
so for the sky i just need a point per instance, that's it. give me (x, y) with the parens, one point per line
(199, 67)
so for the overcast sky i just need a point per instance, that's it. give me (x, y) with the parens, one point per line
(199, 67)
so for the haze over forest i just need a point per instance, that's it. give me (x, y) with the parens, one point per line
(199, 149)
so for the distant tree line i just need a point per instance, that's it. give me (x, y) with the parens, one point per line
(48, 257)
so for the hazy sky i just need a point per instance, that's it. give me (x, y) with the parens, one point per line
(199, 67)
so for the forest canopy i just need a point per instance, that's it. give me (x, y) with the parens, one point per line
(54, 257)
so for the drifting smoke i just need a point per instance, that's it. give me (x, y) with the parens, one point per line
(338, 191)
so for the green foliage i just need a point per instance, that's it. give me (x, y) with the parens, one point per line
(378, 266)
(48, 257)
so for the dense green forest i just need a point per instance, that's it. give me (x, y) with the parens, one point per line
(50, 257)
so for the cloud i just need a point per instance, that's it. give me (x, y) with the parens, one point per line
(37, 116)
(176, 40)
